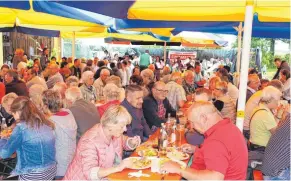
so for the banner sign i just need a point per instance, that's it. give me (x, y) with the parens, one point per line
(183, 55)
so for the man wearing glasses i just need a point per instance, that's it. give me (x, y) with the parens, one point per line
(156, 107)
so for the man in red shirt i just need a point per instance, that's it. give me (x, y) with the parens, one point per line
(223, 155)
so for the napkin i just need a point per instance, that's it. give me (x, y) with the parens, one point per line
(137, 174)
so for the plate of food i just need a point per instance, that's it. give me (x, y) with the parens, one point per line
(139, 163)
(174, 154)
(148, 152)
(6, 133)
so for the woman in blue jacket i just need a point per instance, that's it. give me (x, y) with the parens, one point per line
(33, 141)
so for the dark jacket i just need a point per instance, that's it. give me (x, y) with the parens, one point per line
(43, 60)
(116, 72)
(97, 74)
(18, 87)
(150, 111)
(86, 116)
(249, 95)
(76, 72)
(138, 126)
(284, 66)
(9, 120)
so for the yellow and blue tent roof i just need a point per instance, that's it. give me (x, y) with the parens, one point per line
(186, 15)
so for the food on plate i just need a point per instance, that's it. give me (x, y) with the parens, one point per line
(177, 155)
(149, 152)
(140, 163)
(6, 133)
(143, 147)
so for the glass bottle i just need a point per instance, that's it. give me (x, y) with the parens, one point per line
(163, 141)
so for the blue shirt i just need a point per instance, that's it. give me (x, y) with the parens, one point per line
(35, 148)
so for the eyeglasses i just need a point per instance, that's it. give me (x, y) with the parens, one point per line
(163, 91)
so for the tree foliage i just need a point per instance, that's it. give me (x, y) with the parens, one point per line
(267, 46)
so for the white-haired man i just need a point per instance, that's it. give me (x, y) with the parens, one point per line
(87, 89)
(253, 102)
(100, 83)
(54, 75)
(85, 113)
(176, 94)
(222, 156)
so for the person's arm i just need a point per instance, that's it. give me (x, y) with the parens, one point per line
(169, 108)
(216, 164)
(90, 162)
(150, 113)
(181, 103)
(181, 97)
(268, 120)
(12, 144)
(146, 129)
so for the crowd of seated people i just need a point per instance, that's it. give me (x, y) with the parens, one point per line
(76, 118)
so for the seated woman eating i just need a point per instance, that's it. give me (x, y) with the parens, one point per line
(99, 151)
(34, 142)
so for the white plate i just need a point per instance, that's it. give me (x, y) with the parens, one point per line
(176, 155)
(133, 159)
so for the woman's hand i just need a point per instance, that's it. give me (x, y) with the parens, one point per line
(134, 142)
(124, 164)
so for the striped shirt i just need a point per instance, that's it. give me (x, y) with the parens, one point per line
(277, 152)
(48, 174)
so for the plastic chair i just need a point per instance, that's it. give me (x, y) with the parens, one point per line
(6, 166)
(258, 175)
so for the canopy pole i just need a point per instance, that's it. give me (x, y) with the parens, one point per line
(239, 36)
(60, 48)
(247, 37)
(165, 52)
(1, 50)
(73, 46)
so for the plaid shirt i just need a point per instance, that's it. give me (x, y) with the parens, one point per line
(176, 94)
(189, 88)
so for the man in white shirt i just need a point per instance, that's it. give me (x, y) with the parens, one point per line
(54, 75)
(99, 84)
(176, 94)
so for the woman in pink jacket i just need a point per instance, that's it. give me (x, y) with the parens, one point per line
(99, 151)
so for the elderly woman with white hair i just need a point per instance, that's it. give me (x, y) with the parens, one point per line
(111, 95)
(87, 89)
(117, 81)
(65, 130)
(72, 81)
(35, 94)
(263, 123)
(60, 87)
(99, 152)
(5, 114)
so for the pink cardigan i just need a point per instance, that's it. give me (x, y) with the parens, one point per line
(94, 151)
